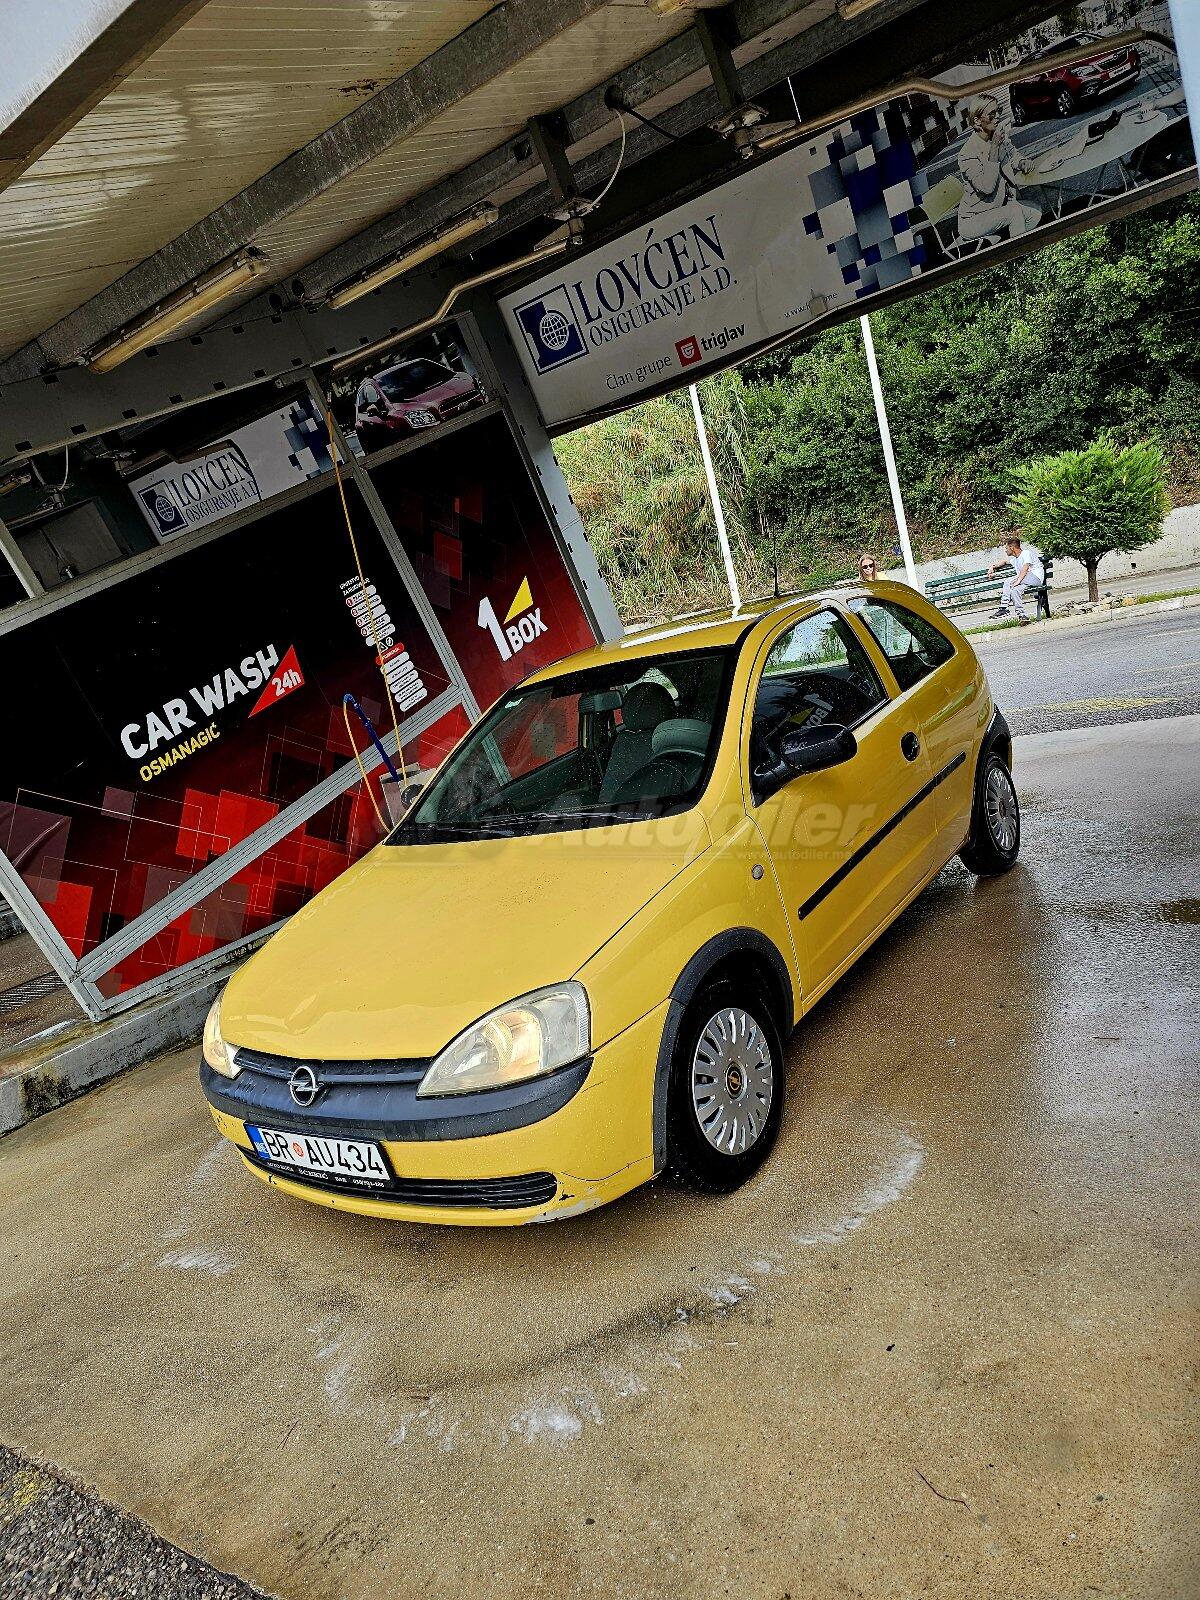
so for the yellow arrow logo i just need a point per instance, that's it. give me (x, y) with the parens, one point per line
(522, 601)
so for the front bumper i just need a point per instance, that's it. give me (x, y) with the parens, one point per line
(565, 1144)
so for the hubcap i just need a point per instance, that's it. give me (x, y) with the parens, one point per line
(1000, 803)
(733, 1081)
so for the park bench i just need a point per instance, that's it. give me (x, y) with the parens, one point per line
(963, 591)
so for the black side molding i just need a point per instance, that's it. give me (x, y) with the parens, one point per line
(877, 838)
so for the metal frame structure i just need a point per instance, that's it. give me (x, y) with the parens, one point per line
(81, 975)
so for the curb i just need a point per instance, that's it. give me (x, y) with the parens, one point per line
(47, 1074)
(1089, 619)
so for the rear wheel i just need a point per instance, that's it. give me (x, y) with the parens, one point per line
(725, 1097)
(1019, 113)
(1065, 104)
(995, 840)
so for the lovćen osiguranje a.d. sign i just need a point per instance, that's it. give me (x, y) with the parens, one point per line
(884, 198)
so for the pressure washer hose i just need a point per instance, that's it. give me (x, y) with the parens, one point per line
(362, 770)
(387, 688)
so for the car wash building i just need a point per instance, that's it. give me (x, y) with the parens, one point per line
(288, 321)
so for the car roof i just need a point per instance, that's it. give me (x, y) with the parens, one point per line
(706, 630)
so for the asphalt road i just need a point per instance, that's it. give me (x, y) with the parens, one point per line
(943, 1345)
(59, 1540)
(1142, 665)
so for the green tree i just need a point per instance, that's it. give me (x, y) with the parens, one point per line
(1086, 503)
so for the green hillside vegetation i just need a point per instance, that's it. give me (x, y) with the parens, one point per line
(1099, 334)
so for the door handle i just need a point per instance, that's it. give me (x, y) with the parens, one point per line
(910, 747)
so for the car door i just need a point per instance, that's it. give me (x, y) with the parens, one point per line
(848, 844)
(944, 688)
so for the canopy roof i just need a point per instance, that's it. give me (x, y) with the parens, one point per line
(153, 139)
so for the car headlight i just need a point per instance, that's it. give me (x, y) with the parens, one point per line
(421, 419)
(527, 1038)
(216, 1052)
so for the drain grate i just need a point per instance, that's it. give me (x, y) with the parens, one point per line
(22, 994)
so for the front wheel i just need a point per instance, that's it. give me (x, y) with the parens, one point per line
(725, 1097)
(995, 840)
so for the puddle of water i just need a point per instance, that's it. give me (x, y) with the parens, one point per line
(693, 1306)
(1186, 912)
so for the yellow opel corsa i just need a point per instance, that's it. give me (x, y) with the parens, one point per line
(575, 964)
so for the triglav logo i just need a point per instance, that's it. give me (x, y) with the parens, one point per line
(550, 329)
(688, 351)
(521, 626)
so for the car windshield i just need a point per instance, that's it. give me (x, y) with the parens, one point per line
(412, 378)
(611, 744)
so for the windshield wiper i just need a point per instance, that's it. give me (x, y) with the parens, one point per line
(588, 811)
(470, 830)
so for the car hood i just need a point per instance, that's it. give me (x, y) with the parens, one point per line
(416, 942)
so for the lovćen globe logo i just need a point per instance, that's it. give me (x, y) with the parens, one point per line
(551, 331)
(554, 330)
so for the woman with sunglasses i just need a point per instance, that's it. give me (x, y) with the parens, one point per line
(868, 569)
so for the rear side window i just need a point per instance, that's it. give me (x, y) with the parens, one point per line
(914, 647)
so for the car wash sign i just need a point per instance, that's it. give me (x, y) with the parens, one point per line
(860, 210)
(255, 462)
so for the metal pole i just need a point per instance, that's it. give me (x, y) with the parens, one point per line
(715, 496)
(889, 458)
(1185, 23)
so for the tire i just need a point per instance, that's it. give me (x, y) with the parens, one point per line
(728, 1060)
(1019, 113)
(995, 840)
(1064, 103)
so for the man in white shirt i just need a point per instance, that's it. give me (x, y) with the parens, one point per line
(1027, 573)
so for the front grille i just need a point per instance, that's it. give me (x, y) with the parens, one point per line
(451, 408)
(495, 1194)
(344, 1073)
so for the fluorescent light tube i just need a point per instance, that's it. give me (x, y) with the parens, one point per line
(171, 314)
(471, 222)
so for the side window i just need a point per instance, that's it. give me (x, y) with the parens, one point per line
(816, 672)
(914, 647)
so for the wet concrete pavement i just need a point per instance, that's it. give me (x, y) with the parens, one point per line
(944, 1345)
(1129, 669)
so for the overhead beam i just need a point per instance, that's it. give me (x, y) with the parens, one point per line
(717, 41)
(747, 23)
(498, 41)
(751, 23)
(101, 60)
(828, 45)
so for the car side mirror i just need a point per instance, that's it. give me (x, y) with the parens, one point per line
(814, 749)
(804, 750)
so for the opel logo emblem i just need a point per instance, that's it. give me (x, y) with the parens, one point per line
(304, 1086)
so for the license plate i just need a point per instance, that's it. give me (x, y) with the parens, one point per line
(354, 1162)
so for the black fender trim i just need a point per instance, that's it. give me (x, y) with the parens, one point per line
(734, 942)
(998, 732)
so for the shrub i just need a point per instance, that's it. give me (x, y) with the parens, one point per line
(1086, 503)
